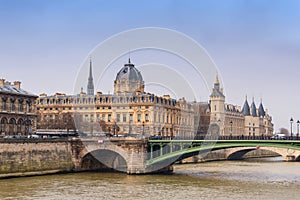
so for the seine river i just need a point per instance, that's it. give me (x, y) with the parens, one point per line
(251, 179)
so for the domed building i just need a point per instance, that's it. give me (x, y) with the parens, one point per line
(129, 110)
(129, 80)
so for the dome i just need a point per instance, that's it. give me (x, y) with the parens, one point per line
(129, 72)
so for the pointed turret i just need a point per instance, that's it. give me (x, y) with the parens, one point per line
(246, 108)
(261, 110)
(253, 109)
(90, 86)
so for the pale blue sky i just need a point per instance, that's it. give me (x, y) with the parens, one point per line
(255, 44)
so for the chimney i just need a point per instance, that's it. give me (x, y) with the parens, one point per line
(2, 81)
(17, 84)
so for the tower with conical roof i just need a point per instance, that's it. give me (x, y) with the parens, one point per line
(217, 105)
(246, 108)
(261, 110)
(90, 85)
(253, 109)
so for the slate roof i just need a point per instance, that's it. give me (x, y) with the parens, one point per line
(253, 109)
(246, 109)
(129, 72)
(8, 88)
(261, 111)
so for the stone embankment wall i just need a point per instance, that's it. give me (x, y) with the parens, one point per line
(22, 157)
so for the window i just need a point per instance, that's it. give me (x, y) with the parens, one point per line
(20, 107)
(147, 117)
(12, 106)
(109, 117)
(130, 117)
(215, 107)
(139, 117)
(118, 117)
(103, 117)
(124, 117)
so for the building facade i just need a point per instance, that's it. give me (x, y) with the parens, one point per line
(232, 120)
(17, 109)
(129, 110)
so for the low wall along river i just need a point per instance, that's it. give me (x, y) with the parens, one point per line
(21, 157)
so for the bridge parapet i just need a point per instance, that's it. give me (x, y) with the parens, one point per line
(164, 150)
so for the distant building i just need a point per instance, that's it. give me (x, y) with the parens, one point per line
(18, 109)
(232, 120)
(130, 110)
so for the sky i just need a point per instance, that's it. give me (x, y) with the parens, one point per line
(255, 44)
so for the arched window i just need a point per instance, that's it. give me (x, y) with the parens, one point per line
(3, 125)
(19, 126)
(20, 106)
(12, 105)
(4, 104)
(12, 125)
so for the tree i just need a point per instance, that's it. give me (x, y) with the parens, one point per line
(284, 131)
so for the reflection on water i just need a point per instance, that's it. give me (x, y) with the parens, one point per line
(250, 179)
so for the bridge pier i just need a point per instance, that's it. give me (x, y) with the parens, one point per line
(290, 158)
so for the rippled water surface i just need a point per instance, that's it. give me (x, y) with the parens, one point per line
(252, 179)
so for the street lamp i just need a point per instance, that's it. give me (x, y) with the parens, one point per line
(115, 127)
(230, 129)
(291, 120)
(298, 122)
(143, 128)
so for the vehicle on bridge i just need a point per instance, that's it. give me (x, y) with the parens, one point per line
(278, 136)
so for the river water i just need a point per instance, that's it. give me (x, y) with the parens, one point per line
(251, 179)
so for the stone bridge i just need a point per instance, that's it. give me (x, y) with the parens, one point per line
(140, 156)
(130, 155)
(237, 153)
(113, 154)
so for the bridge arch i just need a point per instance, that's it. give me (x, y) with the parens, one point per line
(237, 153)
(103, 158)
